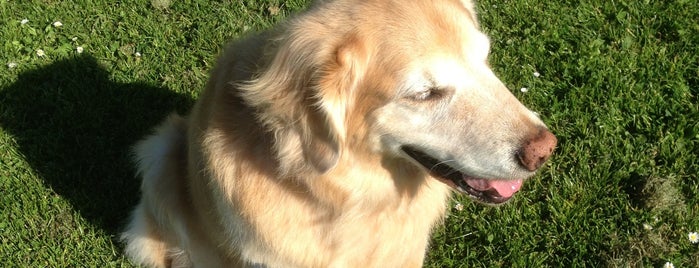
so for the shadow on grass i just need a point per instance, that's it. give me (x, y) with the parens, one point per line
(75, 128)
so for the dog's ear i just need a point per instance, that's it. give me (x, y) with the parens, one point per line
(334, 89)
(471, 9)
(302, 96)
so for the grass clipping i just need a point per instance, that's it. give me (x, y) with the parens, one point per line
(664, 200)
(661, 197)
(161, 4)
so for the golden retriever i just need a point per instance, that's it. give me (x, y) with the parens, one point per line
(334, 140)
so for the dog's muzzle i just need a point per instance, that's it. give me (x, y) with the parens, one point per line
(490, 191)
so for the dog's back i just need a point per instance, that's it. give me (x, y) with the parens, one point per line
(159, 159)
(162, 231)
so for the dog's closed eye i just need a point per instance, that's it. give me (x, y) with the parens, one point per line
(430, 94)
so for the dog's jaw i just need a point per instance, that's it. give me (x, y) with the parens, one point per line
(489, 191)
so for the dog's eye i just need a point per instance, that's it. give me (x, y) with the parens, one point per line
(428, 94)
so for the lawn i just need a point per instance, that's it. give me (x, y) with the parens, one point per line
(616, 81)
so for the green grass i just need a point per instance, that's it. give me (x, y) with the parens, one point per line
(618, 85)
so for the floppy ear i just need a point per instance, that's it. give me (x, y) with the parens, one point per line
(301, 96)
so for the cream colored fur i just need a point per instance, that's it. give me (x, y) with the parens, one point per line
(292, 155)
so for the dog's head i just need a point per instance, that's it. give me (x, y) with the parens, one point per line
(401, 80)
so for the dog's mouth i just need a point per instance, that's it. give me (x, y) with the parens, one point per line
(490, 191)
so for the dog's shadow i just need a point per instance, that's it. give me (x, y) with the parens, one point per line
(75, 127)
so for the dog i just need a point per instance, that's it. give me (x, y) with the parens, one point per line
(334, 140)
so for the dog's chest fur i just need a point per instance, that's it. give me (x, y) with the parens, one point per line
(365, 221)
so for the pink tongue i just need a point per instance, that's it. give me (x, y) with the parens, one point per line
(505, 188)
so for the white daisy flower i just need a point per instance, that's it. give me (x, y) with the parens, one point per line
(40, 52)
(668, 265)
(75, 38)
(537, 74)
(24, 21)
(459, 206)
(79, 50)
(524, 90)
(11, 65)
(693, 237)
(57, 24)
(137, 54)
